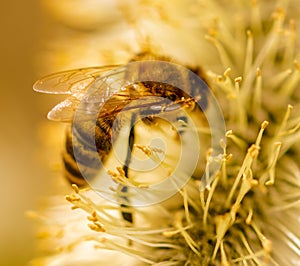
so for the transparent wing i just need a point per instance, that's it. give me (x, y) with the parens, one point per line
(70, 81)
(145, 106)
(91, 92)
(64, 111)
(75, 82)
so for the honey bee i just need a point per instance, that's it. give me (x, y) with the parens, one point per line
(115, 98)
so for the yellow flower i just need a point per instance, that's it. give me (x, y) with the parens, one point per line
(250, 213)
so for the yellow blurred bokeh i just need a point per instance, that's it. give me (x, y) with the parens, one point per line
(25, 178)
(37, 37)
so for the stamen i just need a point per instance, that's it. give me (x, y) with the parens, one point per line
(256, 21)
(152, 152)
(247, 183)
(75, 188)
(284, 207)
(227, 72)
(154, 243)
(225, 158)
(291, 84)
(250, 258)
(268, 50)
(209, 197)
(257, 98)
(73, 244)
(242, 116)
(190, 242)
(93, 217)
(279, 78)
(238, 141)
(186, 206)
(175, 232)
(261, 132)
(228, 84)
(249, 53)
(292, 130)
(223, 54)
(224, 260)
(202, 195)
(251, 155)
(87, 205)
(207, 172)
(72, 198)
(96, 227)
(113, 245)
(266, 243)
(249, 217)
(290, 43)
(120, 178)
(272, 164)
(223, 223)
(190, 200)
(283, 124)
(252, 255)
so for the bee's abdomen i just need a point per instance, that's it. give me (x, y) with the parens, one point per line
(86, 147)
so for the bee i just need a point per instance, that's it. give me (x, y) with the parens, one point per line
(119, 104)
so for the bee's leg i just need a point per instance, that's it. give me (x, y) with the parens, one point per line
(128, 215)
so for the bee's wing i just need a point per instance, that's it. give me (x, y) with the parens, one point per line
(70, 81)
(74, 82)
(64, 111)
(145, 106)
(91, 88)
(98, 100)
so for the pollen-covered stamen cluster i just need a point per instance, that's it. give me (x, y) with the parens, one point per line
(120, 178)
(218, 224)
(213, 224)
(263, 57)
(150, 151)
(237, 218)
(114, 233)
(153, 154)
(249, 213)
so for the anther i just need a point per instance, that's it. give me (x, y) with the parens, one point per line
(75, 188)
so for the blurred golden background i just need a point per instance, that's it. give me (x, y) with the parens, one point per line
(37, 38)
(24, 179)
